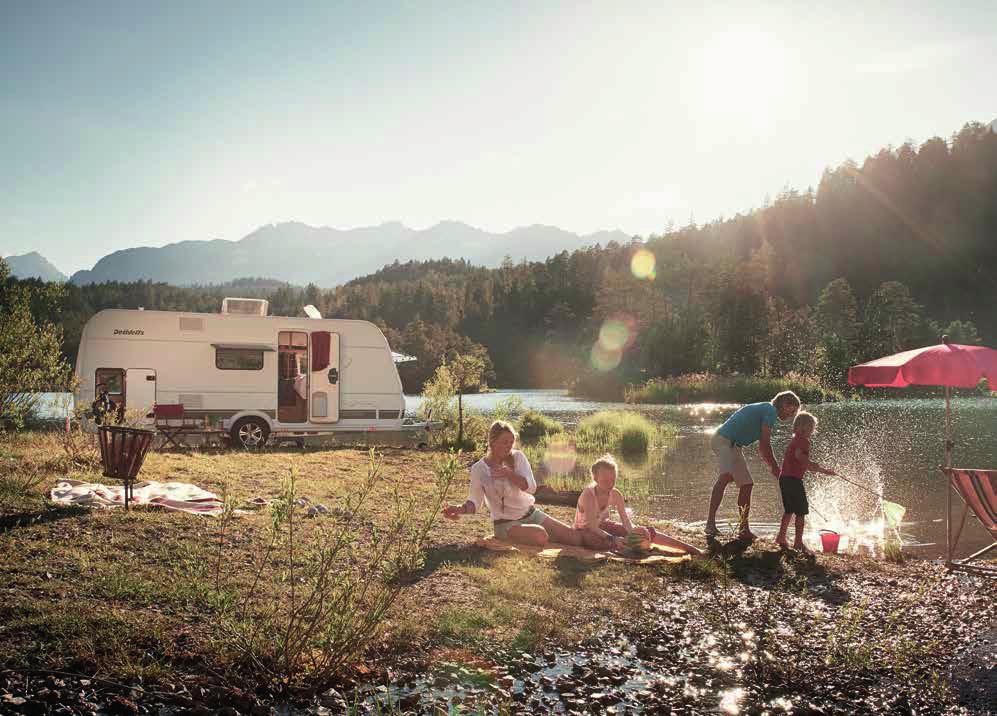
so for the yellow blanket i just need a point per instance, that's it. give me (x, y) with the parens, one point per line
(553, 550)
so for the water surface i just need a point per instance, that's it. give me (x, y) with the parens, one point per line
(892, 446)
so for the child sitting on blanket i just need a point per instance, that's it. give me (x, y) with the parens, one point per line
(592, 513)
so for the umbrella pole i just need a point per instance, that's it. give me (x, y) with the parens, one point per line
(948, 486)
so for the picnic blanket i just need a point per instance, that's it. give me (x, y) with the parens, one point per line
(174, 496)
(554, 550)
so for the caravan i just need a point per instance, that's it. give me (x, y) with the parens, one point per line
(254, 376)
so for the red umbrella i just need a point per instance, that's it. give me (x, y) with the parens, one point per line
(948, 364)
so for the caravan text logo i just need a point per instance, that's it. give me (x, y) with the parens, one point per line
(129, 332)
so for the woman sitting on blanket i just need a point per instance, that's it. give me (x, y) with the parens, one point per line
(592, 514)
(504, 481)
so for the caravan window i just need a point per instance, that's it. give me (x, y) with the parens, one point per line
(113, 378)
(238, 359)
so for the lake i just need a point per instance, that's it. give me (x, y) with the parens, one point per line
(890, 445)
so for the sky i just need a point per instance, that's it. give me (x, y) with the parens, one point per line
(145, 123)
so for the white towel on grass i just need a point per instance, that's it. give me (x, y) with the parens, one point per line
(176, 496)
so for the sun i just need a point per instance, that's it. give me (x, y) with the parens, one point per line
(747, 75)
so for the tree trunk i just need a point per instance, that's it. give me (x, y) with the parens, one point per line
(460, 418)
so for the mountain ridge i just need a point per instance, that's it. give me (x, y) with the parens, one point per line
(33, 265)
(300, 254)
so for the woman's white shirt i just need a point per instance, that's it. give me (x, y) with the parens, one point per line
(504, 499)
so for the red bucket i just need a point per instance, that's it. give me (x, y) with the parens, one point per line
(829, 541)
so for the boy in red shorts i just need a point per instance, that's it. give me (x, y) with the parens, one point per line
(794, 465)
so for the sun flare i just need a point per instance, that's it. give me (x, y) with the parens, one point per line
(747, 75)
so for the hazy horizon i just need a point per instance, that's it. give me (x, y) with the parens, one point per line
(141, 126)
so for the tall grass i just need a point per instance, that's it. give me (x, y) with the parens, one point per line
(634, 486)
(620, 431)
(535, 426)
(710, 387)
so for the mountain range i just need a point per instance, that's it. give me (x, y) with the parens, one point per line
(302, 254)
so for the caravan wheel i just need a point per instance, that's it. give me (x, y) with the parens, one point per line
(250, 433)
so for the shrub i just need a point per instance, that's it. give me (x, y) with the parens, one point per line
(619, 430)
(709, 387)
(307, 608)
(507, 408)
(438, 404)
(19, 481)
(534, 426)
(31, 360)
(893, 552)
(475, 432)
(80, 448)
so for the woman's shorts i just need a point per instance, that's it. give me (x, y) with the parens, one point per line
(794, 496)
(536, 517)
(730, 460)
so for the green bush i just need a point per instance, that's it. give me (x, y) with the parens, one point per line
(534, 426)
(618, 430)
(709, 387)
(31, 361)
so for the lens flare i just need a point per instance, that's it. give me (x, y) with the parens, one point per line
(642, 265)
(604, 359)
(615, 334)
(561, 457)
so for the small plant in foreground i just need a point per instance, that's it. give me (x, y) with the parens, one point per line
(79, 446)
(312, 604)
(19, 480)
(893, 552)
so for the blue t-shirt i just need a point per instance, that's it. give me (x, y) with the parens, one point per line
(745, 426)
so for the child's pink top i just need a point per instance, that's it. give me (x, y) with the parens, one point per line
(791, 466)
(587, 512)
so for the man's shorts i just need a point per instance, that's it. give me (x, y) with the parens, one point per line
(794, 496)
(730, 460)
(533, 517)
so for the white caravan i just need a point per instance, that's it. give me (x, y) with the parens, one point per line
(252, 375)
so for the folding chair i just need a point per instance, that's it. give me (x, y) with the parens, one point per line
(978, 490)
(169, 421)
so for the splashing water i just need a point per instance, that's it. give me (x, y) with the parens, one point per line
(854, 513)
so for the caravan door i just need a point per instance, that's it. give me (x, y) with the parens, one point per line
(324, 379)
(140, 392)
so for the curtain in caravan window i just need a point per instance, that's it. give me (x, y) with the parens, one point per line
(320, 350)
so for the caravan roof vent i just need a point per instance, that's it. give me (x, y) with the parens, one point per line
(245, 306)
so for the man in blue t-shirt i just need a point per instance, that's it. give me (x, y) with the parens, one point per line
(752, 423)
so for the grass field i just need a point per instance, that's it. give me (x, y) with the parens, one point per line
(107, 590)
(142, 594)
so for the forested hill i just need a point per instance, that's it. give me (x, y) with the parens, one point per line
(882, 256)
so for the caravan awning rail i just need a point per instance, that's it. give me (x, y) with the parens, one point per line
(246, 346)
